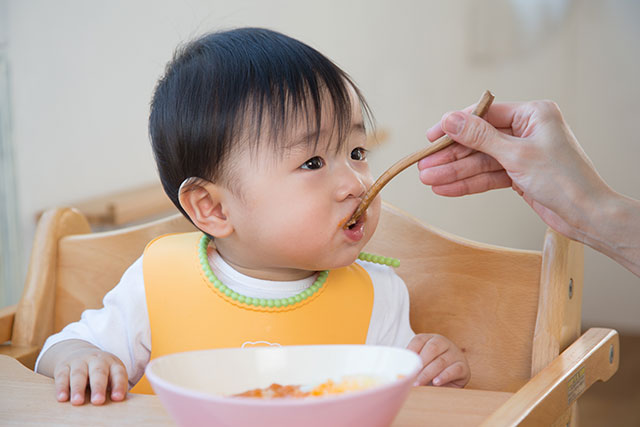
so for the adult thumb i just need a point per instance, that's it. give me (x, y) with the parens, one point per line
(474, 132)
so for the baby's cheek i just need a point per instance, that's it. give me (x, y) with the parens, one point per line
(304, 230)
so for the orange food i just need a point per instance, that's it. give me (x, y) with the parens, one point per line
(329, 387)
(274, 391)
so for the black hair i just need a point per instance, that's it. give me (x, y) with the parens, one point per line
(223, 84)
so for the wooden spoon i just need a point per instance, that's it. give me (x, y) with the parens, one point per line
(480, 110)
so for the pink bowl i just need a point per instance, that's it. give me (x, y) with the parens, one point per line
(195, 387)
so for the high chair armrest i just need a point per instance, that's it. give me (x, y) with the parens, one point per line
(547, 396)
(26, 355)
(7, 314)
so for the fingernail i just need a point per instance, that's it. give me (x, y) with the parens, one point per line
(436, 381)
(416, 383)
(454, 123)
(62, 396)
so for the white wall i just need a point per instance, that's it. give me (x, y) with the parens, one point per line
(83, 73)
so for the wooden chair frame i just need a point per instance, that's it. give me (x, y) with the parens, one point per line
(515, 313)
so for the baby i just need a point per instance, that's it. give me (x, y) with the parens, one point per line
(260, 141)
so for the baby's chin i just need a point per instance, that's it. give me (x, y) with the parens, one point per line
(344, 260)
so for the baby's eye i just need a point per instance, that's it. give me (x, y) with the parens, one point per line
(313, 163)
(359, 153)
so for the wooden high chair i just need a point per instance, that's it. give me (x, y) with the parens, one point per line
(515, 313)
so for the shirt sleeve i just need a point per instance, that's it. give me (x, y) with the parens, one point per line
(121, 327)
(389, 323)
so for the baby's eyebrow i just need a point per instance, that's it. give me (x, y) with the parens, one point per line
(358, 126)
(312, 136)
(305, 139)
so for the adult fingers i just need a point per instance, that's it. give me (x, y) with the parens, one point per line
(98, 379)
(446, 155)
(475, 184)
(500, 115)
(78, 381)
(435, 132)
(119, 382)
(61, 381)
(466, 167)
(475, 133)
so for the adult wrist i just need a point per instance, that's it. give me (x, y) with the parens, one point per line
(581, 208)
(615, 228)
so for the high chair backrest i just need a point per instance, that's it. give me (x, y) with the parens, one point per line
(71, 269)
(511, 311)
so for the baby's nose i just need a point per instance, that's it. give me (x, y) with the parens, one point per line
(351, 184)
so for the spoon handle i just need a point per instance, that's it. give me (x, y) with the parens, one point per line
(444, 141)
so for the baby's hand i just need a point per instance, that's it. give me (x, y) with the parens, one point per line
(103, 371)
(443, 362)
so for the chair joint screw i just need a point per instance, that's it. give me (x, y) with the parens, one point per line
(611, 354)
(570, 288)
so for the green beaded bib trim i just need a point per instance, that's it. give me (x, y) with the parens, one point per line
(274, 303)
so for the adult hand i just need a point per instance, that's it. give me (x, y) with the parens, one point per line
(529, 147)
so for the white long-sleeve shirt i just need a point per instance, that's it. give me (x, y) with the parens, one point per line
(122, 327)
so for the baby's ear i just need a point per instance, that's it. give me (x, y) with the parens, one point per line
(202, 201)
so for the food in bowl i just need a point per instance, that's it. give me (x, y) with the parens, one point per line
(327, 388)
(196, 387)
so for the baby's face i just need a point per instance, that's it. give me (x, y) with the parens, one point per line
(288, 219)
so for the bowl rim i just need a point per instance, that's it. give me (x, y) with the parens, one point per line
(253, 401)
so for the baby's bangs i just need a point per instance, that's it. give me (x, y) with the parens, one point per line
(302, 91)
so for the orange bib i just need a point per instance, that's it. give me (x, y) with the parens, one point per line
(186, 312)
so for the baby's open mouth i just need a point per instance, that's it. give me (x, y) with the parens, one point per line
(343, 222)
(355, 231)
